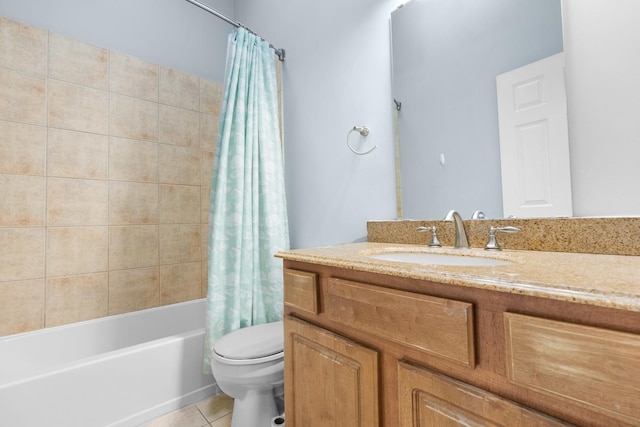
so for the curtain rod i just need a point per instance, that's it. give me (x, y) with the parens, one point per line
(279, 52)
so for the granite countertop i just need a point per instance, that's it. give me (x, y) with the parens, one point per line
(600, 280)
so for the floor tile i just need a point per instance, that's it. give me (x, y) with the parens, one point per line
(216, 407)
(185, 417)
(222, 422)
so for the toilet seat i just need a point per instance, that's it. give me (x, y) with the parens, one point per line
(253, 344)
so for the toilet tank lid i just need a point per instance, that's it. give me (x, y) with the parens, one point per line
(252, 342)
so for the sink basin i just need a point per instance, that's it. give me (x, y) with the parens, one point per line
(439, 259)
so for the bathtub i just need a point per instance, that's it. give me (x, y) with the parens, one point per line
(120, 370)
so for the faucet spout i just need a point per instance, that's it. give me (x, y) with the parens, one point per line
(461, 234)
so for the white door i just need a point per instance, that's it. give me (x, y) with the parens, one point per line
(534, 140)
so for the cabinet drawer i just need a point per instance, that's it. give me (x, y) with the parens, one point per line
(436, 326)
(426, 398)
(301, 290)
(596, 368)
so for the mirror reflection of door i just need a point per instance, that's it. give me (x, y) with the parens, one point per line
(534, 140)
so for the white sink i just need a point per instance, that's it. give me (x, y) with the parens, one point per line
(439, 259)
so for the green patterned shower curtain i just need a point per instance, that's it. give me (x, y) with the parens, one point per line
(248, 215)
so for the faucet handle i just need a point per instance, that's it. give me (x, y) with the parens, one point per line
(492, 244)
(434, 243)
(478, 215)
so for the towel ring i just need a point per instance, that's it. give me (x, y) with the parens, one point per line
(364, 131)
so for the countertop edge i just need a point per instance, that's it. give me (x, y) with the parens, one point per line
(587, 295)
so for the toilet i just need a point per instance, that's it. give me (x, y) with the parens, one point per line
(248, 365)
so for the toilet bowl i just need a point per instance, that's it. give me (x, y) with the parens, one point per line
(248, 365)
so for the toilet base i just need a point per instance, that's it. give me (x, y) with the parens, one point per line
(255, 409)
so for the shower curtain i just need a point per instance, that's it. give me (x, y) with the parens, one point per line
(247, 217)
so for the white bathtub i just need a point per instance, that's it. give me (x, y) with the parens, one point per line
(115, 371)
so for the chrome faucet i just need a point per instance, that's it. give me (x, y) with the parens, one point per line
(461, 234)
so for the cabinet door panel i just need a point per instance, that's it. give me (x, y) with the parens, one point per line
(330, 381)
(592, 367)
(428, 399)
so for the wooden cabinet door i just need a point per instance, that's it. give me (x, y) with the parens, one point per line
(330, 381)
(428, 399)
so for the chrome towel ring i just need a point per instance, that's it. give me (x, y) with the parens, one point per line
(364, 131)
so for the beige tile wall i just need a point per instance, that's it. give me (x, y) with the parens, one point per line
(105, 170)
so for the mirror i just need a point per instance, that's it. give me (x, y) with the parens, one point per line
(446, 56)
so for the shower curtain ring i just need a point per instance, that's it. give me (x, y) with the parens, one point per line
(364, 131)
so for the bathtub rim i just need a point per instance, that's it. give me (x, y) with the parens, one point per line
(27, 339)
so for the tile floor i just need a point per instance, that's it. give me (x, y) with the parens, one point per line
(211, 412)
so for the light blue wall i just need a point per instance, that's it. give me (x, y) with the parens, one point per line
(336, 75)
(172, 33)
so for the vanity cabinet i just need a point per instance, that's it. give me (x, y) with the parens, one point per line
(369, 349)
